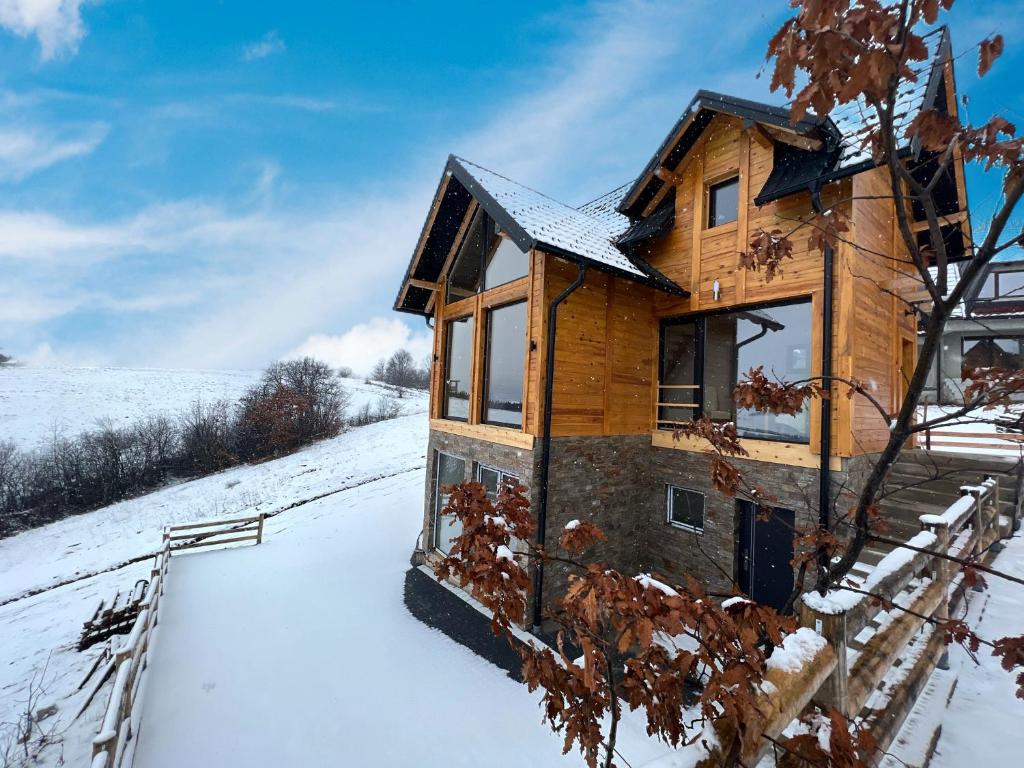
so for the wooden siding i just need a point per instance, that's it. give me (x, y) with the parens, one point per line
(606, 353)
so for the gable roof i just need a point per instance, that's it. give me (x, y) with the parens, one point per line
(841, 134)
(690, 126)
(531, 219)
(795, 169)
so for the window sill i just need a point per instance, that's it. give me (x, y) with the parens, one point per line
(721, 229)
(515, 438)
(770, 451)
(687, 528)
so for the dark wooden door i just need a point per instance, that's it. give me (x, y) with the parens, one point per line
(765, 553)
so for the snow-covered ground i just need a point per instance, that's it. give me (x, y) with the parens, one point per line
(35, 402)
(973, 434)
(44, 628)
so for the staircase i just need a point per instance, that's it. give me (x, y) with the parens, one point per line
(927, 482)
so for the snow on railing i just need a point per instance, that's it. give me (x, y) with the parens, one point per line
(912, 578)
(112, 746)
(213, 533)
(111, 743)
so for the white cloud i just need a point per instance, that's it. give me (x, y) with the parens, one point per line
(362, 345)
(262, 277)
(28, 150)
(268, 45)
(56, 24)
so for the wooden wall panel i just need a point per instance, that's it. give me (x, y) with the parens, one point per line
(876, 322)
(605, 352)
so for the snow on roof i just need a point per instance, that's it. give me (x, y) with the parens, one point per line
(587, 231)
(952, 278)
(855, 119)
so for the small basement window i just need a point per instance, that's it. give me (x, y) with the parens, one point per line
(686, 509)
(723, 202)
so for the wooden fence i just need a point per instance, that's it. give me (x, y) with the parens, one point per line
(929, 587)
(215, 533)
(110, 748)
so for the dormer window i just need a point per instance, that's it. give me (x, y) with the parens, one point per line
(723, 202)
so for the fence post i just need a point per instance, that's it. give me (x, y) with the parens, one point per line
(941, 570)
(259, 531)
(834, 692)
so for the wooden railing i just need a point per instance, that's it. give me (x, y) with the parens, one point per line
(111, 747)
(663, 389)
(215, 533)
(928, 587)
(120, 720)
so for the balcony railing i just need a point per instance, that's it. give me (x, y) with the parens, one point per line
(665, 393)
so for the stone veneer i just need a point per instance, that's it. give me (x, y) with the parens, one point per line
(619, 483)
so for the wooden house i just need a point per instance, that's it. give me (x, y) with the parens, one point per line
(569, 340)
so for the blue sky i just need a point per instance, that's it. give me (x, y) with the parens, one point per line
(218, 184)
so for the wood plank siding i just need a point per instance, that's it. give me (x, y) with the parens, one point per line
(606, 353)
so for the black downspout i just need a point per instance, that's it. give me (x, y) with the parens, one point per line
(545, 443)
(825, 472)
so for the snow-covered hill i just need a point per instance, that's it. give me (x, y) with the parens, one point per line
(36, 402)
(40, 631)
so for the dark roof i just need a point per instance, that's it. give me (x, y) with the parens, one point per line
(696, 117)
(794, 170)
(658, 223)
(532, 220)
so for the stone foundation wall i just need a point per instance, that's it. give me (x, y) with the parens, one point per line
(599, 480)
(620, 484)
(518, 461)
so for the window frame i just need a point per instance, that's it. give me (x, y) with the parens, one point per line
(446, 367)
(997, 290)
(964, 340)
(700, 342)
(670, 504)
(709, 196)
(488, 313)
(435, 534)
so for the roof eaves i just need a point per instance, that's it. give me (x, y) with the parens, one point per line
(504, 219)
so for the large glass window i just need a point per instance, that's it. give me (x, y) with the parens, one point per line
(504, 361)
(467, 271)
(492, 480)
(1005, 352)
(723, 202)
(485, 260)
(458, 369)
(505, 263)
(714, 351)
(451, 470)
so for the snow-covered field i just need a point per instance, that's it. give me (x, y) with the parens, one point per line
(301, 652)
(35, 402)
(48, 624)
(974, 434)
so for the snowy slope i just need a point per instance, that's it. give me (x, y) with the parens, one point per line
(346, 675)
(47, 625)
(36, 402)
